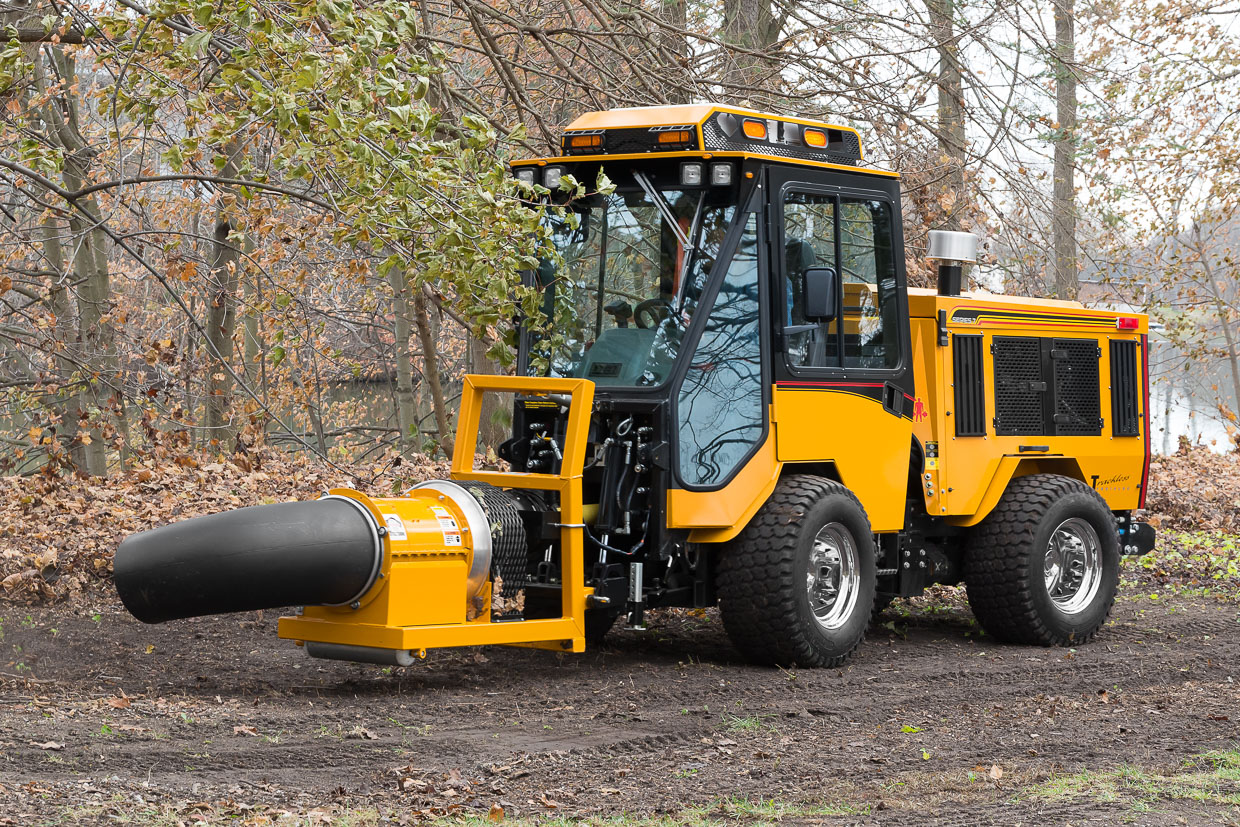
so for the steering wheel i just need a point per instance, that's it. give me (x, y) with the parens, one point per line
(652, 311)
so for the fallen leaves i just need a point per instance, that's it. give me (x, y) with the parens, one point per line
(57, 535)
(245, 730)
(52, 746)
(1194, 490)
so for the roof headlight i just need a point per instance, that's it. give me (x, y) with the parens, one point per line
(524, 175)
(552, 176)
(691, 174)
(720, 175)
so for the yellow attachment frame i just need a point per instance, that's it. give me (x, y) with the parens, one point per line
(419, 601)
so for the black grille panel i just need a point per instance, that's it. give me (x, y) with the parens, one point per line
(1075, 365)
(642, 139)
(970, 387)
(1125, 409)
(1020, 388)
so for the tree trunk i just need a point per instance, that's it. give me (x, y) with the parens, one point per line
(406, 402)
(222, 284)
(430, 369)
(751, 26)
(63, 336)
(1170, 390)
(1063, 204)
(675, 48)
(1221, 309)
(495, 423)
(102, 390)
(951, 134)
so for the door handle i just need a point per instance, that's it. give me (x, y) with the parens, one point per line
(893, 399)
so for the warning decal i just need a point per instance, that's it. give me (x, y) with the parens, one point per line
(396, 528)
(447, 524)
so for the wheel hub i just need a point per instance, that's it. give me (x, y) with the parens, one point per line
(1072, 568)
(832, 578)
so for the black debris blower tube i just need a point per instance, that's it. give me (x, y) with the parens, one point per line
(322, 552)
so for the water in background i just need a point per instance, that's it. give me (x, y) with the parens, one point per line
(1186, 415)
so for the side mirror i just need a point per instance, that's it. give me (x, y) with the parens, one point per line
(818, 294)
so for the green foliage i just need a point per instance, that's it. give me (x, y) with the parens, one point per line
(339, 90)
(1185, 559)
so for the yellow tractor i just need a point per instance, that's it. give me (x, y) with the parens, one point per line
(742, 405)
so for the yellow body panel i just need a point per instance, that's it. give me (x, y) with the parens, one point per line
(868, 446)
(716, 516)
(970, 473)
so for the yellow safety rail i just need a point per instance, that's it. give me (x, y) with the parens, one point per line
(569, 629)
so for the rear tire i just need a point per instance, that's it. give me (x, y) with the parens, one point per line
(796, 586)
(1043, 567)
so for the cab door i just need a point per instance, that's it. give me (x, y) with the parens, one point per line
(843, 386)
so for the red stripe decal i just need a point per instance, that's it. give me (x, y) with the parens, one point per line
(1145, 413)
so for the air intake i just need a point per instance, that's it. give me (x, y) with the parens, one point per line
(969, 385)
(1125, 410)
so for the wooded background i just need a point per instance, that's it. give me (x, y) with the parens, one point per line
(241, 224)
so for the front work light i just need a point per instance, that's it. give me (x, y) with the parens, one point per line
(525, 175)
(552, 176)
(720, 175)
(690, 174)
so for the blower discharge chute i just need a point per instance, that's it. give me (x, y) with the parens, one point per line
(744, 405)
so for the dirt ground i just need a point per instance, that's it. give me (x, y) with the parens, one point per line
(104, 720)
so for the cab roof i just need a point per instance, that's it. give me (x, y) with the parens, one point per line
(709, 128)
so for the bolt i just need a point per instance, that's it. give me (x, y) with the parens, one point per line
(927, 475)
(922, 564)
(355, 605)
(382, 531)
(906, 565)
(908, 553)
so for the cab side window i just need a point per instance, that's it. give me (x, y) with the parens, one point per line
(868, 276)
(854, 237)
(809, 241)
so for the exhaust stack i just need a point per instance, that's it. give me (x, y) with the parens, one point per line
(952, 250)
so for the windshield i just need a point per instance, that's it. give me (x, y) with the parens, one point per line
(632, 274)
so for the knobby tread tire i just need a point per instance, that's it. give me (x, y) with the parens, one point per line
(762, 595)
(1003, 566)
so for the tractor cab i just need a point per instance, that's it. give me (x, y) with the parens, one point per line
(730, 261)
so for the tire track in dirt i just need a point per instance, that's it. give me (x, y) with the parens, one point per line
(649, 723)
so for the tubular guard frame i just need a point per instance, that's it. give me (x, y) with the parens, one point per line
(565, 633)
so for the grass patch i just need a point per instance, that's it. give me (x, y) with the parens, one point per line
(1212, 778)
(749, 723)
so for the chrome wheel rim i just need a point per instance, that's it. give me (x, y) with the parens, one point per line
(832, 579)
(1073, 565)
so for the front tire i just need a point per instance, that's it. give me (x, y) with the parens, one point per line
(1043, 567)
(796, 586)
